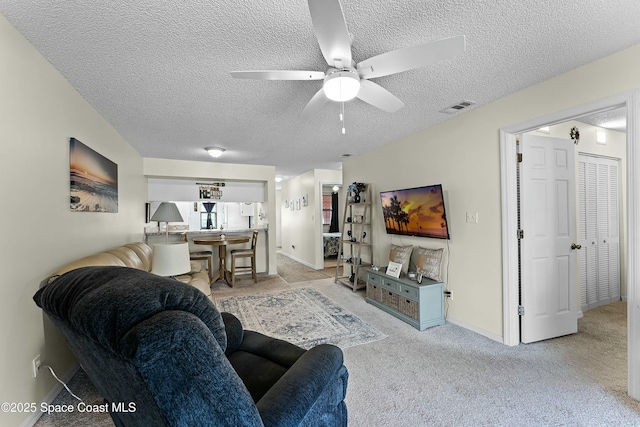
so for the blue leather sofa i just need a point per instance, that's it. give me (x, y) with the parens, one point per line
(163, 346)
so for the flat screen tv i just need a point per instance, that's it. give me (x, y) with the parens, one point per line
(415, 212)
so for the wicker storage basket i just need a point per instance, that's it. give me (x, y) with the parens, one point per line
(408, 308)
(390, 299)
(374, 292)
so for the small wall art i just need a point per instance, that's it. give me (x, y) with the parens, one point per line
(93, 180)
(298, 204)
(305, 200)
(286, 203)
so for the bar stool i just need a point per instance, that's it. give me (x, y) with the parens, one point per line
(245, 253)
(201, 256)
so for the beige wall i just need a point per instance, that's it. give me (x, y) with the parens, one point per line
(299, 226)
(463, 155)
(302, 229)
(39, 112)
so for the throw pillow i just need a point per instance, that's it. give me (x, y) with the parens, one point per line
(429, 263)
(401, 255)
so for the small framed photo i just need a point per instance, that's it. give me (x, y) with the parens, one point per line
(393, 269)
(298, 204)
(286, 203)
(305, 200)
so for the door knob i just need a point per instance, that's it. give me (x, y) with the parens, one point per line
(575, 246)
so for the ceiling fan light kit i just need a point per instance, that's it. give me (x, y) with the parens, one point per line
(215, 152)
(341, 85)
(344, 79)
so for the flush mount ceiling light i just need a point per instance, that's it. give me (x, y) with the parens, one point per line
(278, 179)
(341, 85)
(215, 152)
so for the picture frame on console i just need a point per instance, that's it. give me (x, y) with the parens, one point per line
(394, 269)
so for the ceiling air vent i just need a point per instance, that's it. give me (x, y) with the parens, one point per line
(345, 155)
(462, 105)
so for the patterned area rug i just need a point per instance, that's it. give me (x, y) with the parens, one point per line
(303, 317)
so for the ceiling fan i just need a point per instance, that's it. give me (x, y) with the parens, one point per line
(344, 79)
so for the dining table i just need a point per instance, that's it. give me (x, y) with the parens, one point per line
(222, 242)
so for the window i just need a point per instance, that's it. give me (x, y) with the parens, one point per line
(326, 209)
(208, 219)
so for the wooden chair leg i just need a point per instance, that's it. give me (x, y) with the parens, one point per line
(210, 265)
(233, 271)
(253, 270)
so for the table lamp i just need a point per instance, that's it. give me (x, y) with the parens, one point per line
(170, 259)
(167, 212)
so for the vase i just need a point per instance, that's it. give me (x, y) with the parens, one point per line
(356, 198)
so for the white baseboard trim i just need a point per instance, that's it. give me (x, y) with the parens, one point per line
(308, 264)
(53, 393)
(475, 329)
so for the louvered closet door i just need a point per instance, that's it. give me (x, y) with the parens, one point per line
(587, 233)
(598, 231)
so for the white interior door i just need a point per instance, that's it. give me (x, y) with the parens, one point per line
(548, 221)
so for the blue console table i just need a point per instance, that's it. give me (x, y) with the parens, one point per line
(419, 304)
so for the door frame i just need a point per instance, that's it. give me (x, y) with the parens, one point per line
(508, 190)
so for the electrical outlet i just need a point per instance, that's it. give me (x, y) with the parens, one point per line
(35, 365)
(472, 217)
(449, 295)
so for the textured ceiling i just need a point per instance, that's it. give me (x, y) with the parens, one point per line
(613, 119)
(159, 71)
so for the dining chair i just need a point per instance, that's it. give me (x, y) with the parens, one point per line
(245, 253)
(201, 256)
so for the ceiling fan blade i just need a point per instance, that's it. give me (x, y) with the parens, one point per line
(374, 94)
(331, 31)
(315, 104)
(278, 75)
(409, 58)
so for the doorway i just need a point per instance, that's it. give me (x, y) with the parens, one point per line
(508, 155)
(331, 224)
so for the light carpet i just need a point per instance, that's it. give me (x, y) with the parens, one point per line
(304, 317)
(294, 272)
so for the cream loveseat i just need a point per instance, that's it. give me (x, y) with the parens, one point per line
(137, 255)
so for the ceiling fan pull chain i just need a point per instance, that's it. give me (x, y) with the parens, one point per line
(342, 116)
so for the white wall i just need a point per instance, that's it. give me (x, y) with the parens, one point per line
(189, 191)
(39, 112)
(463, 155)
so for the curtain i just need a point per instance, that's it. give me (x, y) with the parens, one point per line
(333, 227)
(208, 206)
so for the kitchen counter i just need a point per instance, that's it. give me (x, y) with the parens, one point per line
(212, 232)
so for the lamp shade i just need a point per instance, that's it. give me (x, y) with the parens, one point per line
(170, 259)
(167, 212)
